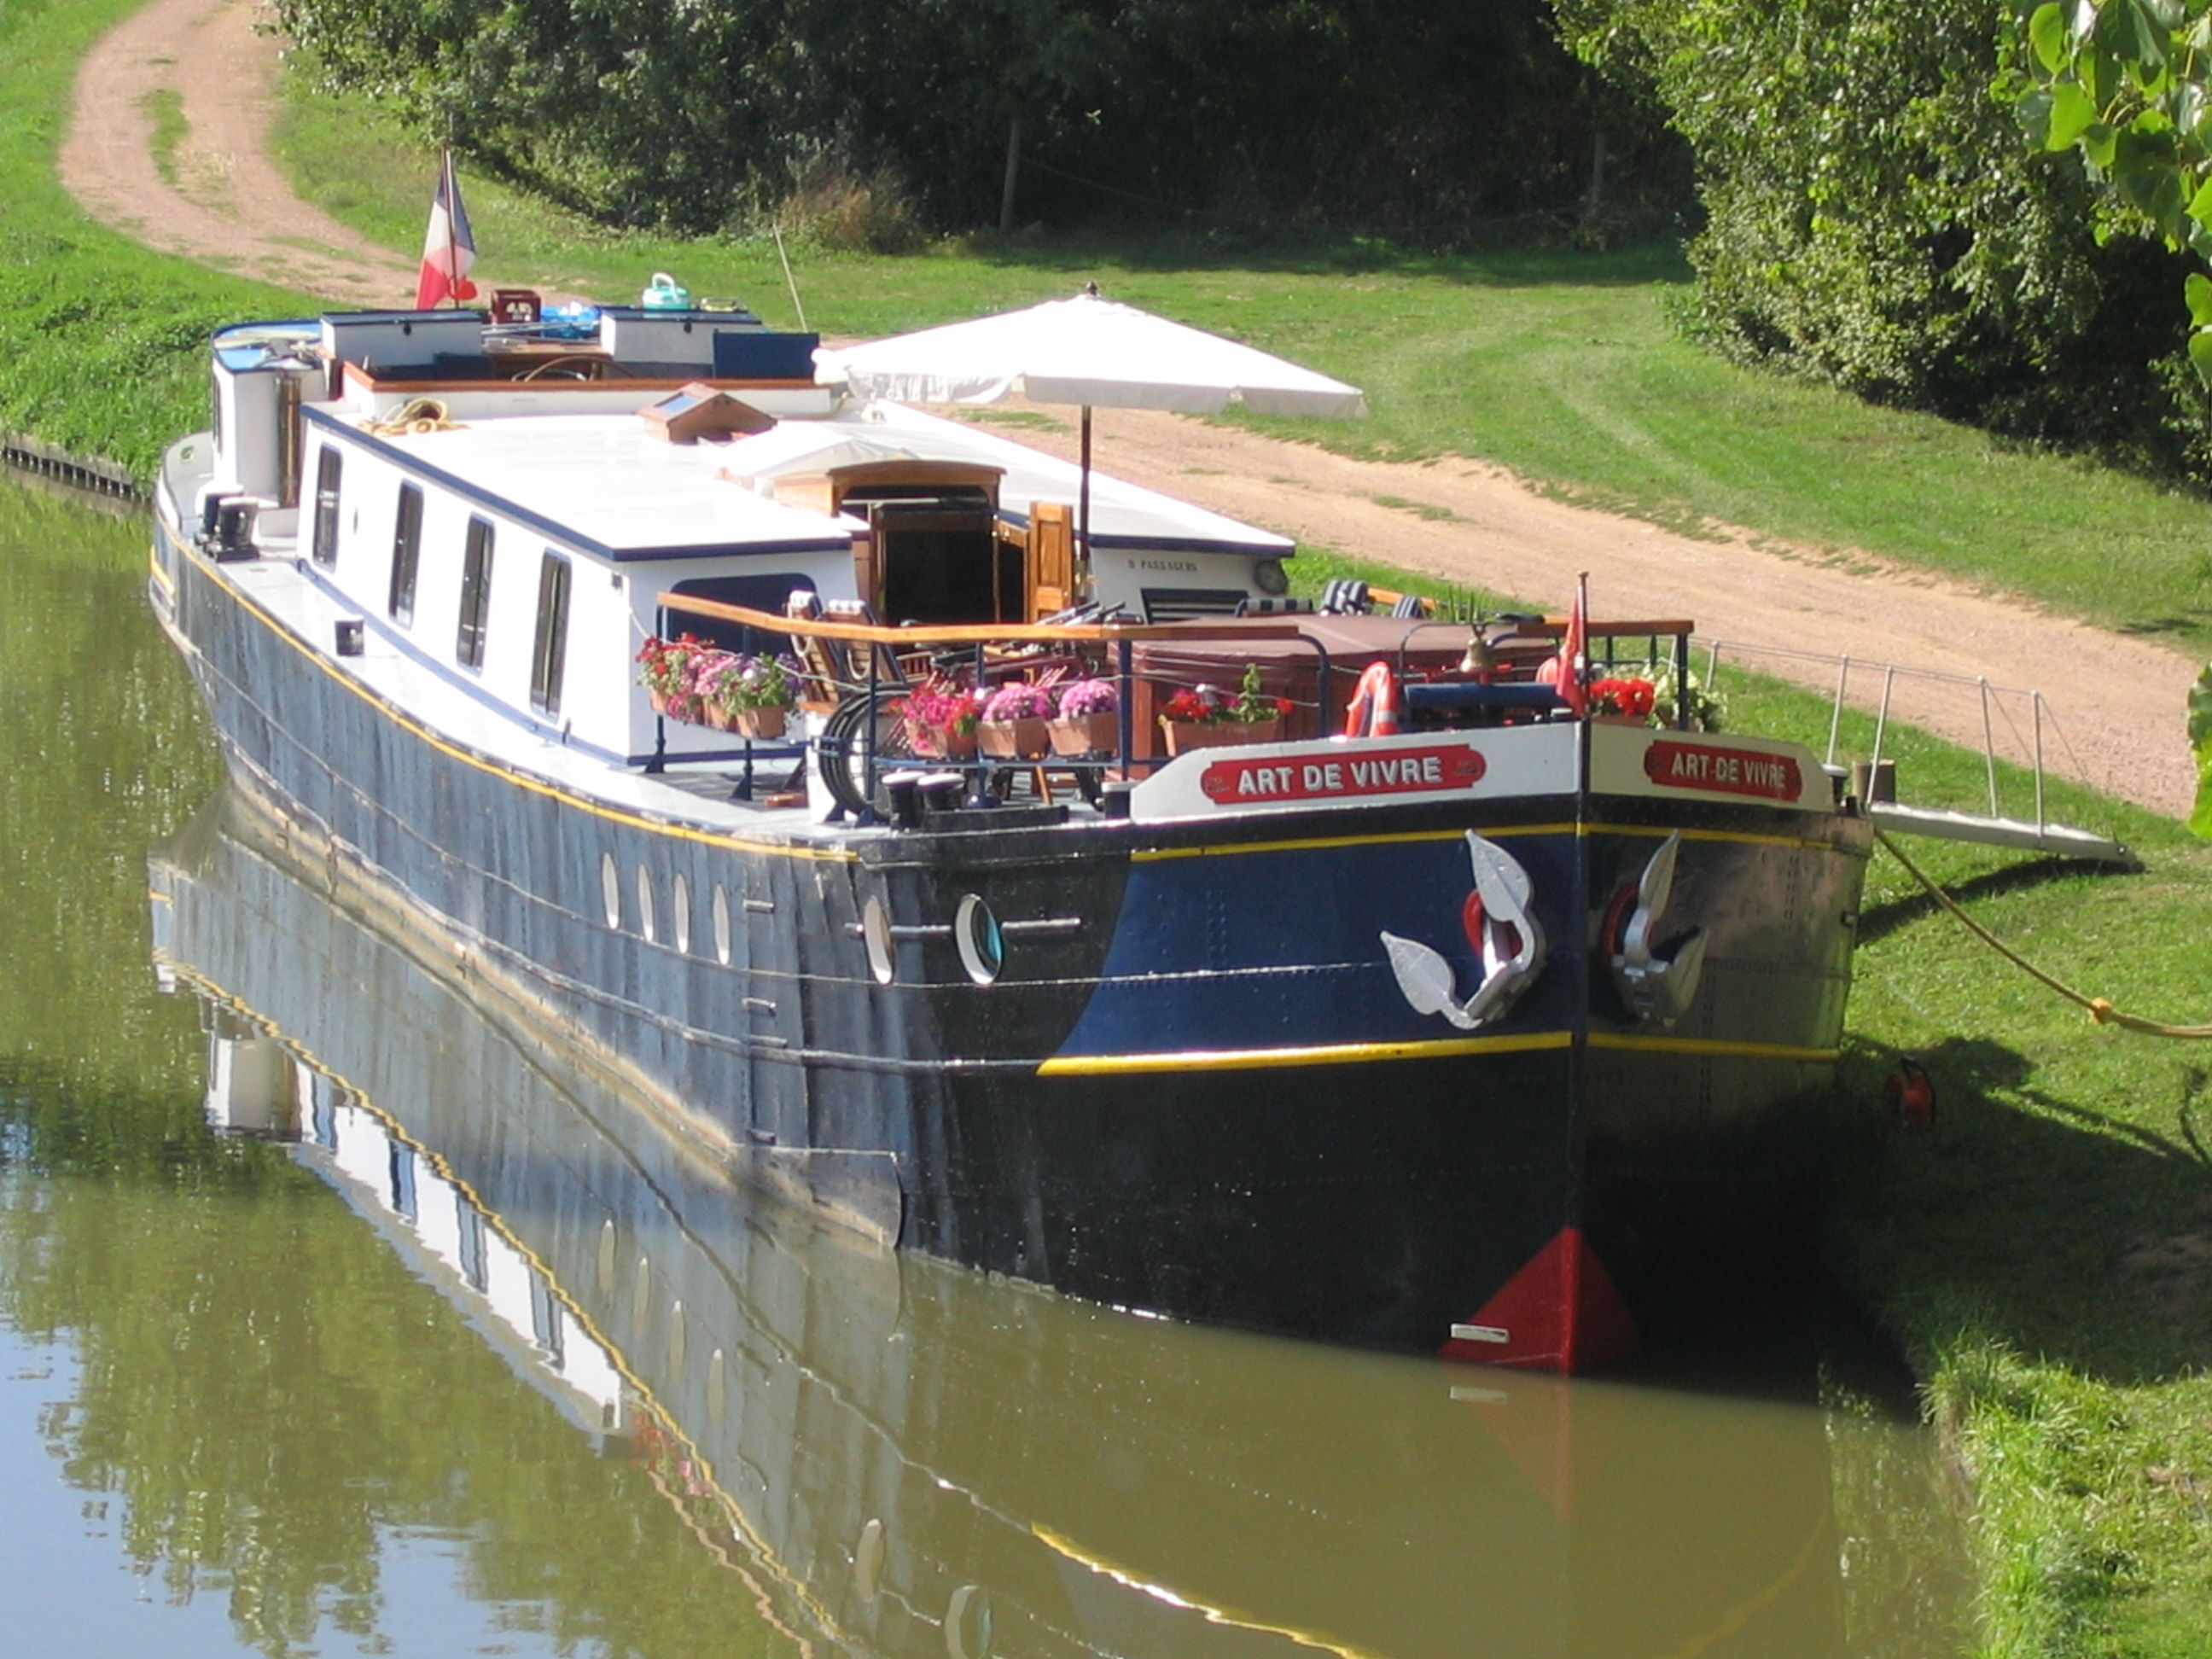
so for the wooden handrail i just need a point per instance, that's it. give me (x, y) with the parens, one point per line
(965, 633)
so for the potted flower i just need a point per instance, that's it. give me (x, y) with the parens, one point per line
(1623, 701)
(940, 717)
(1087, 721)
(665, 668)
(1204, 717)
(1013, 725)
(754, 695)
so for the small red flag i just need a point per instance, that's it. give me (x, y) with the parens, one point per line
(1574, 653)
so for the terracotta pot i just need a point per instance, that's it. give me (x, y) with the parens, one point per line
(718, 717)
(1185, 735)
(660, 701)
(931, 743)
(1096, 733)
(761, 722)
(1021, 739)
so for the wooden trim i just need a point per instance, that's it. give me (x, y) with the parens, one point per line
(973, 633)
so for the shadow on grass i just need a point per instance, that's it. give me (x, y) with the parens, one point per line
(2081, 1237)
(1879, 920)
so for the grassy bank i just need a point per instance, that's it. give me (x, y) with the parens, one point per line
(2043, 1253)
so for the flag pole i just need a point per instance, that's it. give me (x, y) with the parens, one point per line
(452, 248)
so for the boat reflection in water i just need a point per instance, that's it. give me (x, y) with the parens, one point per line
(909, 1460)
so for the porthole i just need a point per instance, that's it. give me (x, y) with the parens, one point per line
(610, 888)
(721, 926)
(645, 904)
(679, 912)
(968, 1624)
(876, 934)
(983, 947)
(868, 1560)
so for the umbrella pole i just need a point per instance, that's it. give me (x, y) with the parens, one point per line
(1083, 516)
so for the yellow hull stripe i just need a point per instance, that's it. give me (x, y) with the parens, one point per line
(1347, 1054)
(1357, 1053)
(521, 780)
(1631, 1042)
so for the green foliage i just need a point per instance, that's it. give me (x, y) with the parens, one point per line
(1871, 219)
(1427, 115)
(2200, 740)
(2125, 85)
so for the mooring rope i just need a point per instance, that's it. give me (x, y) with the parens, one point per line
(2099, 1009)
(415, 415)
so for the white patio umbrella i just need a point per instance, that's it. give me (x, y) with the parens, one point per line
(1091, 352)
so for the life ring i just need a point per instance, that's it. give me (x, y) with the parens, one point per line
(1374, 708)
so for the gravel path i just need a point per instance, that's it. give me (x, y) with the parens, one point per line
(2115, 704)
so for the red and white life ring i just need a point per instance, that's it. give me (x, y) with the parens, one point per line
(1373, 712)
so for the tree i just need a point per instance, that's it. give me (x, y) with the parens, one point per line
(1871, 219)
(2124, 84)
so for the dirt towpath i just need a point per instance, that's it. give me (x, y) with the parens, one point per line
(2115, 704)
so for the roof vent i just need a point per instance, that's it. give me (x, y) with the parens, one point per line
(700, 412)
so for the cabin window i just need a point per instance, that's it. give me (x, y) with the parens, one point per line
(328, 469)
(476, 595)
(406, 553)
(770, 592)
(549, 653)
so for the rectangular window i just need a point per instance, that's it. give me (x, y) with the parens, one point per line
(476, 595)
(550, 651)
(406, 553)
(328, 469)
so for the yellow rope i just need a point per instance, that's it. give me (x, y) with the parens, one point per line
(2100, 1008)
(417, 415)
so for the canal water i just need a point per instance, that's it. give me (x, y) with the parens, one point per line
(337, 1317)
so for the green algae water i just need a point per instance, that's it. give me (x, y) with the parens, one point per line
(337, 1316)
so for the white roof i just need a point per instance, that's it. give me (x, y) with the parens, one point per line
(602, 482)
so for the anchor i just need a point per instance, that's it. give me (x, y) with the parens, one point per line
(1657, 988)
(1507, 939)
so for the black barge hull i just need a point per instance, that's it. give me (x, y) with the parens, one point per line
(1162, 1065)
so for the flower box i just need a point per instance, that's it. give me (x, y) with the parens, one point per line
(765, 722)
(1077, 735)
(1184, 736)
(1027, 738)
(932, 743)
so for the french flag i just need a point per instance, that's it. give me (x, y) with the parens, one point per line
(450, 247)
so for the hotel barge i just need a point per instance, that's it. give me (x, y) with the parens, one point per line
(1424, 1037)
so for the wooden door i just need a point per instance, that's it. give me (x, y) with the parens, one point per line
(1051, 558)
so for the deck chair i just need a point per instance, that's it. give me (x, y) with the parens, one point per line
(823, 671)
(891, 674)
(1344, 596)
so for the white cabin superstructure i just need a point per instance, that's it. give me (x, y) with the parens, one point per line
(499, 518)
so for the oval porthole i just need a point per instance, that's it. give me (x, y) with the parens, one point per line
(679, 912)
(868, 1560)
(610, 888)
(876, 934)
(721, 908)
(644, 903)
(968, 1624)
(982, 946)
